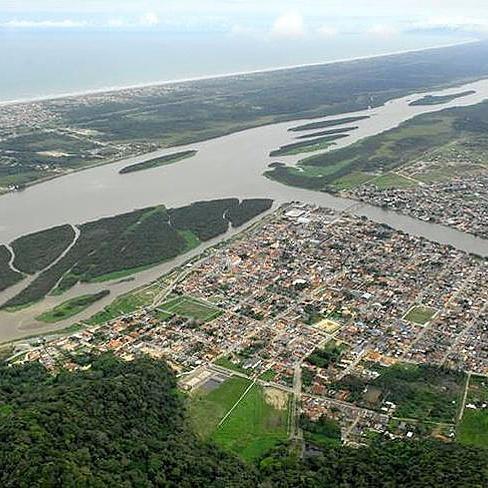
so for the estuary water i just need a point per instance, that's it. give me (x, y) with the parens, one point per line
(229, 166)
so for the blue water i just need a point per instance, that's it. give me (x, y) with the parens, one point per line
(36, 64)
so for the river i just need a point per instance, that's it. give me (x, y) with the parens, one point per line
(229, 166)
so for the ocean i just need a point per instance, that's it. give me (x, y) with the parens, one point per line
(50, 63)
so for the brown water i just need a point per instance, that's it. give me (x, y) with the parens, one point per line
(230, 166)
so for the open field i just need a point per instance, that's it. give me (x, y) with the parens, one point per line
(473, 429)
(257, 424)
(129, 303)
(392, 180)
(420, 315)
(71, 307)
(208, 409)
(191, 308)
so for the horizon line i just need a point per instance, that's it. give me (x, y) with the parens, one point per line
(113, 89)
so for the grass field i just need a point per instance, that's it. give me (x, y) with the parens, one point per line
(71, 307)
(392, 180)
(127, 304)
(208, 409)
(420, 315)
(473, 429)
(226, 362)
(256, 425)
(191, 308)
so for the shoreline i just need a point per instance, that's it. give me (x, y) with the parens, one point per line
(136, 86)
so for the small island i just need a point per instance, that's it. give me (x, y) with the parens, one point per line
(71, 307)
(155, 163)
(439, 100)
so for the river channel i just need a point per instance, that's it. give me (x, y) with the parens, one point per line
(229, 166)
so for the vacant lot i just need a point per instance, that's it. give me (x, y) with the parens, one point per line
(191, 308)
(473, 429)
(258, 423)
(208, 409)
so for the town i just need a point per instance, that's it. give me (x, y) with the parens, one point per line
(323, 307)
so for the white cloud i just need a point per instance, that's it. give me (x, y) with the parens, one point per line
(243, 31)
(382, 30)
(44, 24)
(149, 19)
(459, 24)
(289, 25)
(327, 31)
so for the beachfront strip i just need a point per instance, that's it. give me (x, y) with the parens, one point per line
(320, 305)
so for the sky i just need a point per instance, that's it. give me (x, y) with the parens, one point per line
(273, 19)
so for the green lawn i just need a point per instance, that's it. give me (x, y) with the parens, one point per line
(420, 315)
(226, 362)
(268, 375)
(392, 180)
(71, 307)
(473, 429)
(191, 308)
(255, 425)
(206, 410)
(126, 304)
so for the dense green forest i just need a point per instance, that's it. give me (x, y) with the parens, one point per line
(111, 247)
(155, 163)
(36, 251)
(8, 277)
(124, 424)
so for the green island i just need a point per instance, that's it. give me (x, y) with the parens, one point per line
(331, 132)
(35, 252)
(114, 247)
(372, 159)
(122, 423)
(155, 163)
(8, 277)
(439, 100)
(96, 129)
(329, 123)
(307, 146)
(72, 307)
